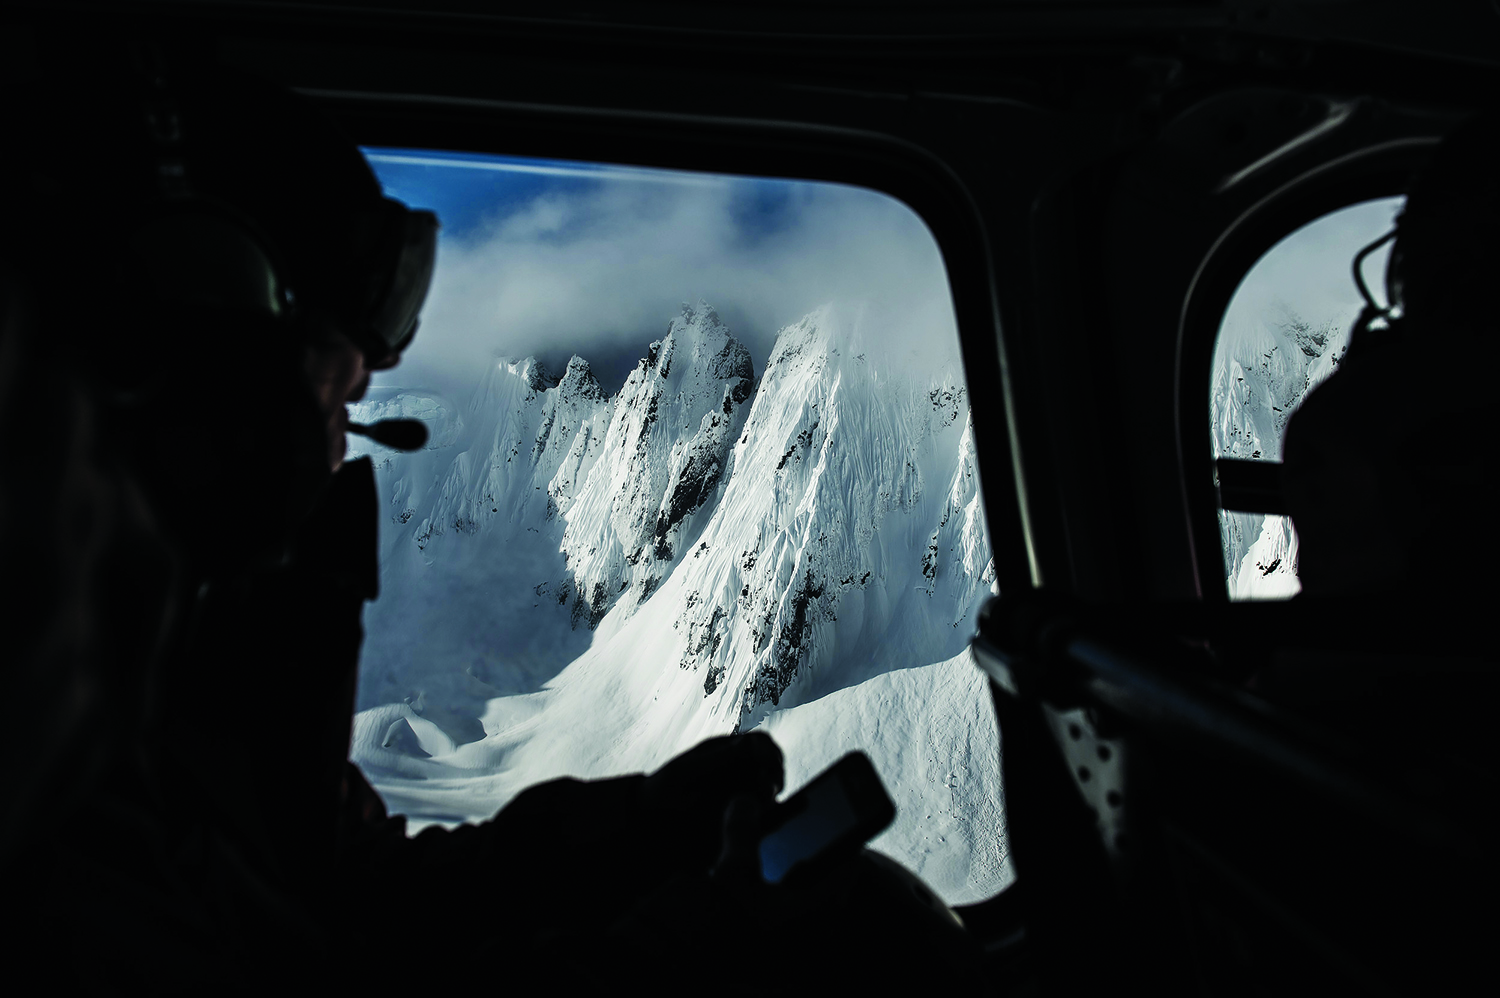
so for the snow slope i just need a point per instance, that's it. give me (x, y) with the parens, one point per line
(1262, 371)
(575, 585)
(931, 734)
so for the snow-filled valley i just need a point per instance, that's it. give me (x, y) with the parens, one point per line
(576, 583)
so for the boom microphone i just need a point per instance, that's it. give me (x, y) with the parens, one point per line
(399, 434)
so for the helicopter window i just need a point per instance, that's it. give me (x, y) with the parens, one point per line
(700, 461)
(1284, 332)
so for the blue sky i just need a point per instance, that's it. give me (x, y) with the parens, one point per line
(549, 258)
(467, 190)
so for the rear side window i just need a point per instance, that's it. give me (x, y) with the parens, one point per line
(1283, 334)
(700, 461)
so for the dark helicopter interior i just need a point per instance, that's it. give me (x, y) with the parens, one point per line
(1099, 178)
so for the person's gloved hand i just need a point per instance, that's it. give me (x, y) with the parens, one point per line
(569, 856)
(684, 802)
(668, 865)
(864, 924)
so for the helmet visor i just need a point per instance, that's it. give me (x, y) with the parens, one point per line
(402, 288)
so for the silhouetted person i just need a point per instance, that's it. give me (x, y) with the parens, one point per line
(1390, 464)
(215, 274)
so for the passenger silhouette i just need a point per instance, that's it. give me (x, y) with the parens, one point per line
(1388, 464)
(194, 821)
(1389, 475)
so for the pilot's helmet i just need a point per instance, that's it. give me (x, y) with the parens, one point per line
(254, 203)
(205, 229)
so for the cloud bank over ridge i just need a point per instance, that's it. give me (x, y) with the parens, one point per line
(598, 266)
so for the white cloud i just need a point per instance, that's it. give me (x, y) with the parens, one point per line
(1311, 271)
(601, 272)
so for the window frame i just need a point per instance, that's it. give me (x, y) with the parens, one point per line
(793, 151)
(1378, 171)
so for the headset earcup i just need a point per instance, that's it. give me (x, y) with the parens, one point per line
(203, 258)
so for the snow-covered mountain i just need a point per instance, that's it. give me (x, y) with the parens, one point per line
(665, 450)
(1261, 374)
(580, 584)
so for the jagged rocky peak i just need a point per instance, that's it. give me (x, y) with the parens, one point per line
(704, 350)
(824, 553)
(500, 380)
(578, 382)
(664, 455)
(571, 408)
(536, 375)
(808, 346)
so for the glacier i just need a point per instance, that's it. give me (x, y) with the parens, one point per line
(581, 584)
